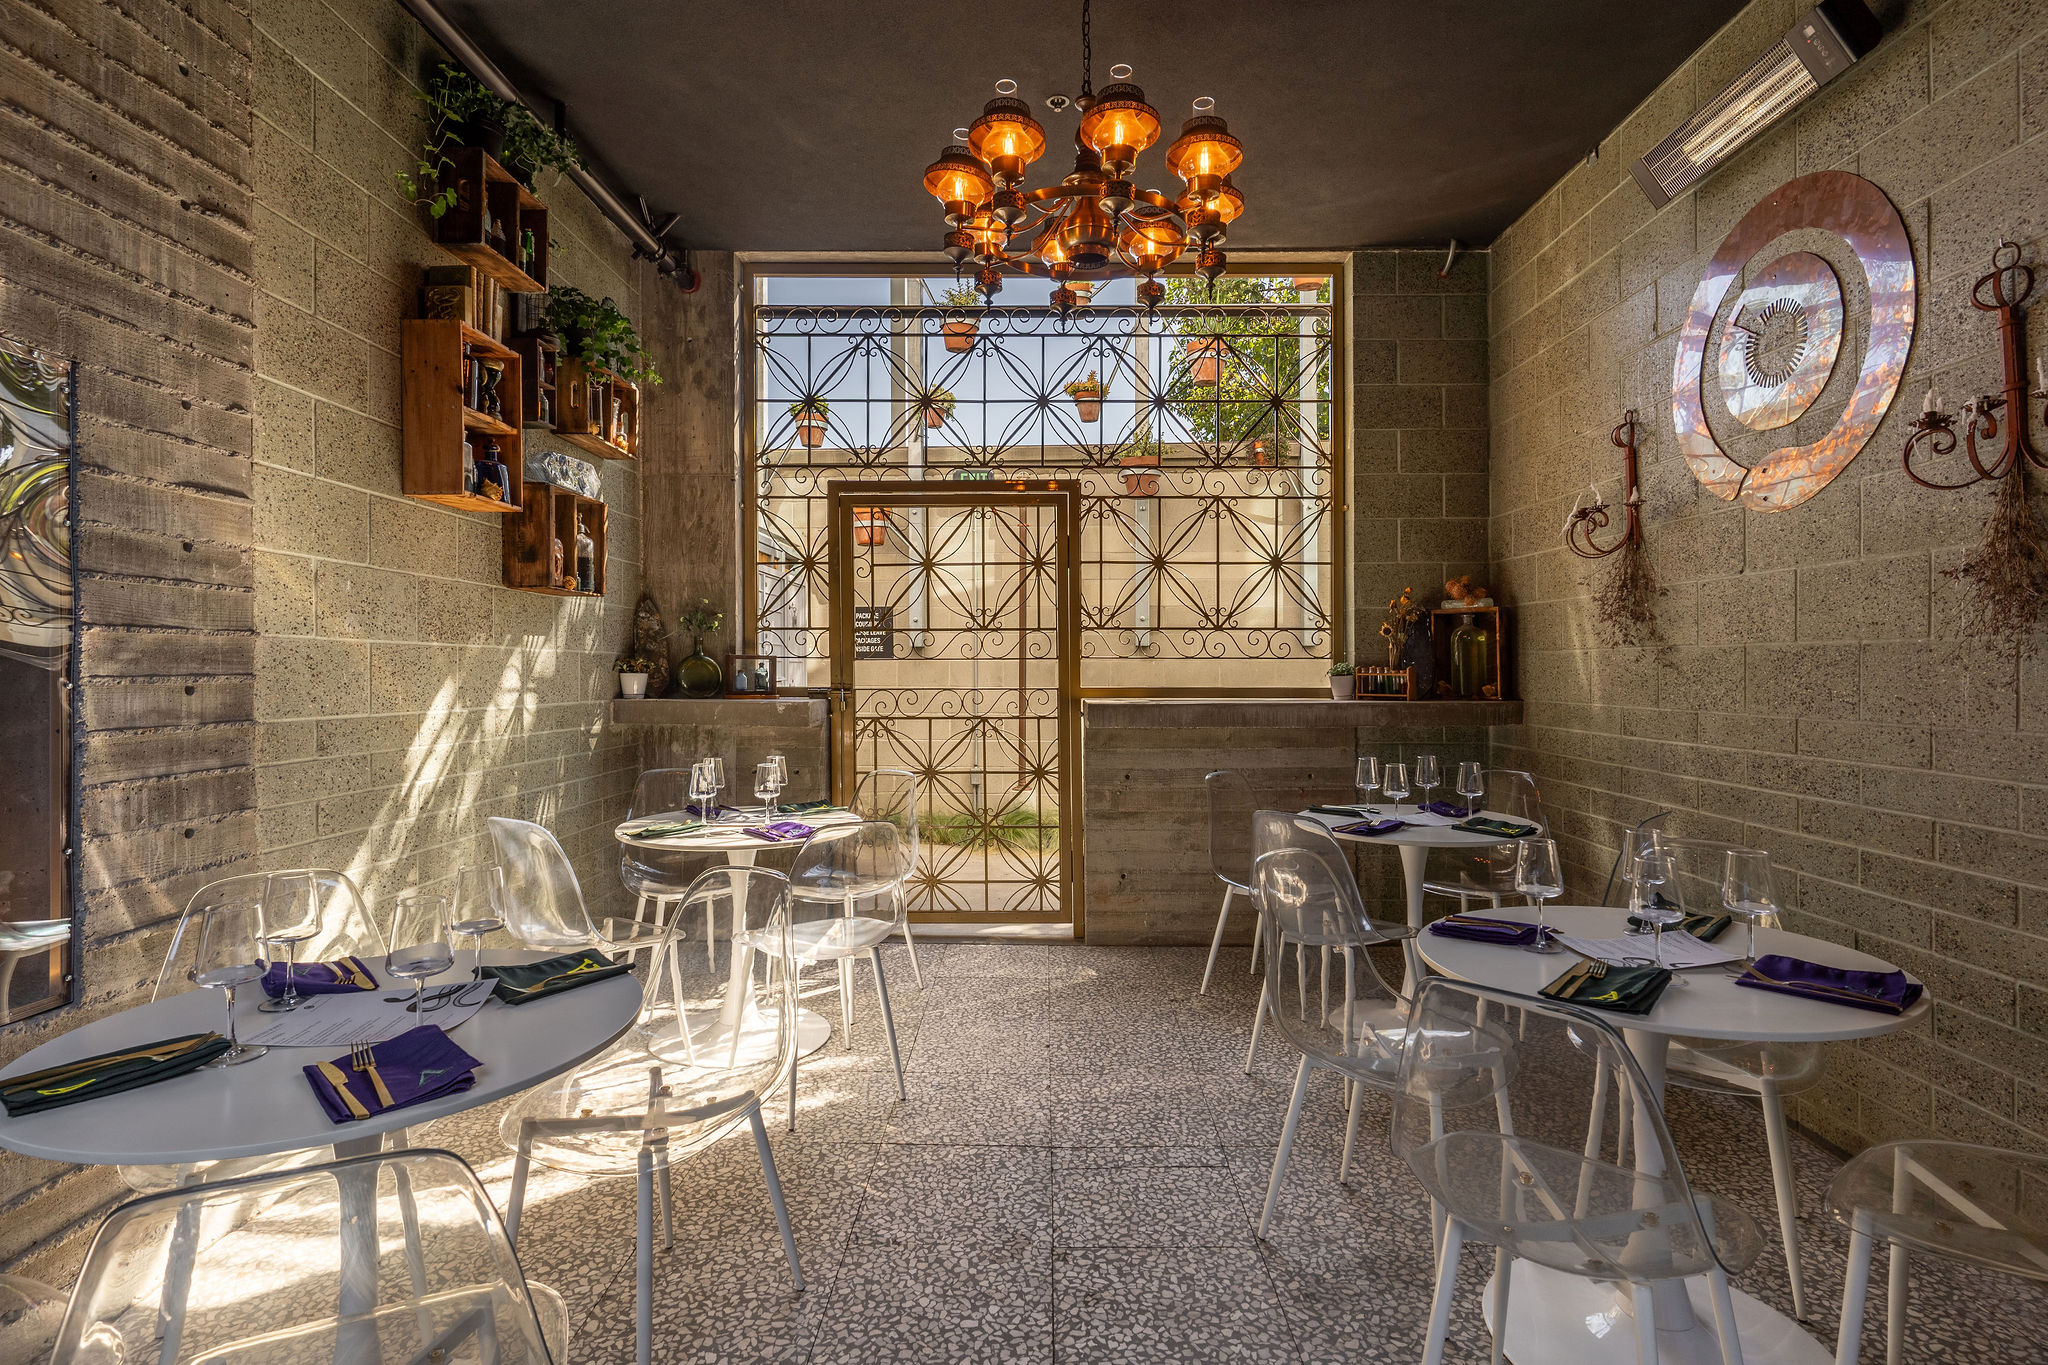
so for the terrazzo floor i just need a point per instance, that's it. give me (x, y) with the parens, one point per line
(1076, 1178)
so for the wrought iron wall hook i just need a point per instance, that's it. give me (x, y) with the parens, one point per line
(1934, 431)
(1585, 521)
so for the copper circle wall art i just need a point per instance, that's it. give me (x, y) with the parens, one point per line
(1790, 368)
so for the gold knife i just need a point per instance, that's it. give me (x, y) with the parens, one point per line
(340, 1083)
(73, 1068)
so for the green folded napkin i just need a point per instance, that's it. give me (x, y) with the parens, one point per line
(1499, 829)
(668, 829)
(1706, 928)
(552, 975)
(108, 1073)
(805, 808)
(1626, 990)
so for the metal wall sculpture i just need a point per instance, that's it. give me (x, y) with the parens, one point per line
(1769, 382)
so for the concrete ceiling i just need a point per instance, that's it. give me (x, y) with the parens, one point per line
(805, 125)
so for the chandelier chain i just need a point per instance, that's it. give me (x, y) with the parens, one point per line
(1087, 53)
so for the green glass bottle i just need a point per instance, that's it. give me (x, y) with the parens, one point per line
(1471, 657)
(699, 675)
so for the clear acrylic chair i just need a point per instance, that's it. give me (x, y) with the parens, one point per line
(705, 1051)
(392, 1256)
(836, 869)
(1487, 873)
(658, 879)
(1231, 805)
(544, 902)
(891, 795)
(23, 938)
(1764, 1071)
(1352, 1023)
(30, 1313)
(1953, 1200)
(1521, 1161)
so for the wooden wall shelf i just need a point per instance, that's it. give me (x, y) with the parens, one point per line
(547, 513)
(1444, 621)
(597, 411)
(538, 358)
(480, 184)
(438, 423)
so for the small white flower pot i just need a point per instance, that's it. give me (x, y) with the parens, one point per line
(1341, 685)
(632, 684)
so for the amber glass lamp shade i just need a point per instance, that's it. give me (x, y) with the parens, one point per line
(1152, 244)
(1119, 125)
(1204, 153)
(987, 236)
(959, 182)
(1007, 138)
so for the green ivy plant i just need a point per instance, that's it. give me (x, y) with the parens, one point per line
(455, 97)
(961, 296)
(943, 400)
(816, 407)
(598, 334)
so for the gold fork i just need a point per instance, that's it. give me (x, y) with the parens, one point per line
(363, 1059)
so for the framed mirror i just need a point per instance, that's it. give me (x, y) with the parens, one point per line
(40, 933)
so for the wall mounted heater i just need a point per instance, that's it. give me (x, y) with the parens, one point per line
(1827, 40)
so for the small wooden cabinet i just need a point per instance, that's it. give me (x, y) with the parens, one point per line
(548, 515)
(437, 358)
(493, 220)
(1444, 622)
(539, 358)
(597, 411)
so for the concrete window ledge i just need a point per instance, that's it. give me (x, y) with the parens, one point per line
(1178, 713)
(795, 713)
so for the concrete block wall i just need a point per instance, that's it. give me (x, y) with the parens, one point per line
(1816, 695)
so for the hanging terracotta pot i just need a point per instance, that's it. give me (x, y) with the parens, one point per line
(935, 418)
(959, 336)
(1088, 405)
(870, 526)
(1207, 366)
(1261, 456)
(1140, 477)
(1308, 284)
(810, 428)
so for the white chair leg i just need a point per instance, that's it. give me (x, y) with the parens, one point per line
(775, 1194)
(1440, 1306)
(1258, 940)
(1258, 1020)
(795, 1056)
(1780, 1144)
(1646, 1325)
(643, 1262)
(1216, 939)
(888, 1021)
(1855, 1288)
(1623, 1124)
(668, 1207)
(846, 983)
(1286, 1147)
(1350, 1133)
(916, 972)
(1724, 1317)
(522, 1159)
(1895, 1308)
(1503, 1272)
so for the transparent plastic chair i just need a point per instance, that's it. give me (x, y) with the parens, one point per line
(30, 1313)
(695, 1067)
(1955, 1200)
(1500, 1111)
(1231, 804)
(544, 902)
(891, 795)
(658, 878)
(1488, 873)
(392, 1256)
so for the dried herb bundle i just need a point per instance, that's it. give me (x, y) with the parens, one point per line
(1625, 602)
(2008, 574)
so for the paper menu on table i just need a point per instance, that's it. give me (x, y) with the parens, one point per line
(1680, 948)
(367, 1016)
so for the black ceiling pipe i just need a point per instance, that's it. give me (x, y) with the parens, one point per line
(472, 59)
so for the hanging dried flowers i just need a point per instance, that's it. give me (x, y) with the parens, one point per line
(2008, 574)
(1625, 600)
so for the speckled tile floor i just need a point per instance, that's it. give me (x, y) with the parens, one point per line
(1076, 1177)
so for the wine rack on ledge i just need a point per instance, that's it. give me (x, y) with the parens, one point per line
(597, 411)
(439, 423)
(495, 245)
(548, 515)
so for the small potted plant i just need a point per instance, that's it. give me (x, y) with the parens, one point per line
(960, 331)
(1205, 360)
(633, 671)
(810, 421)
(1140, 465)
(938, 406)
(595, 332)
(1341, 682)
(1262, 457)
(1087, 396)
(870, 526)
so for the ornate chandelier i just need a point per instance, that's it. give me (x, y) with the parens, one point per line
(1096, 224)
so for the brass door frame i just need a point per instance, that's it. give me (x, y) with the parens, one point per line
(841, 497)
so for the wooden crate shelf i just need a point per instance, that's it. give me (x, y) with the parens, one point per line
(538, 356)
(439, 424)
(597, 411)
(482, 184)
(548, 513)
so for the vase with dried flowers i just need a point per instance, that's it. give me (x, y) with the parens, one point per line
(1402, 616)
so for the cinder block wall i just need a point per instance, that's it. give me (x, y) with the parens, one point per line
(1816, 697)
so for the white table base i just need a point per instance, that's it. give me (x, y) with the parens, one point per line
(1560, 1319)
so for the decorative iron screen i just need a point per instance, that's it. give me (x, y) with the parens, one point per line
(1206, 467)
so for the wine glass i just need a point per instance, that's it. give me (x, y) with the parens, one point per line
(229, 955)
(419, 940)
(1649, 870)
(1396, 784)
(766, 785)
(1429, 775)
(1367, 781)
(703, 789)
(714, 771)
(781, 771)
(1539, 876)
(479, 907)
(1471, 785)
(291, 915)
(1748, 889)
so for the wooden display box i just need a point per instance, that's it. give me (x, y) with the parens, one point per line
(438, 422)
(538, 359)
(481, 182)
(597, 411)
(546, 514)
(1443, 623)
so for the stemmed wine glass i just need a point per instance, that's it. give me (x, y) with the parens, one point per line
(1428, 775)
(479, 908)
(419, 940)
(1649, 870)
(714, 773)
(766, 785)
(291, 915)
(703, 789)
(1471, 785)
(229, 954)
(1748, 889)
(781, 771)
(1367, 781)
(1539, 876)
(1396, 784)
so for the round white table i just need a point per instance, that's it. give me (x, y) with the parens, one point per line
(1559, 1319)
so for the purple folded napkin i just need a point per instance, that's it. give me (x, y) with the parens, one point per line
(1445, 808)
(781, 832)
(1370, 827)
(418, 1065)
(706, 812)
(342, 977)
(1503, 931)
(1886, 992)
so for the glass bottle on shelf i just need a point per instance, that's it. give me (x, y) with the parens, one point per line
(491, 469)
(526, 249)
(470, 479)
(586, 559)
(1471, 657)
